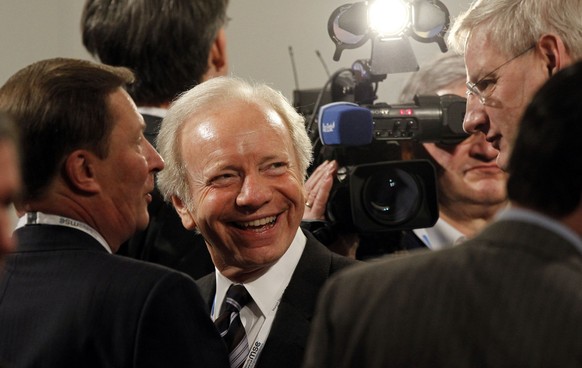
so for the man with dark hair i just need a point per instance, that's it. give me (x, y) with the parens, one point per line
(66, 301)
(510, 297)
(9, 180)
(171, 46)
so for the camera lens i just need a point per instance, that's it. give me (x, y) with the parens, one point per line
(391, 196)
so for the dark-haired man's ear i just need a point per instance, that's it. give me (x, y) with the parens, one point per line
(217, 58)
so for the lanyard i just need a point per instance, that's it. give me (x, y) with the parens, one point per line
(257, 346)
(39, 218)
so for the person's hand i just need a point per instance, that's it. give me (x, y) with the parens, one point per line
(317, 188)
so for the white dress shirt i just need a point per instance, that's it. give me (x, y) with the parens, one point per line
(442, 235)
(266, 291)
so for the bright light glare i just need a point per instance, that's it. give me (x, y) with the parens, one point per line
(388, 17)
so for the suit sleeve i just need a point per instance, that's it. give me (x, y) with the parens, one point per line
(175, 330)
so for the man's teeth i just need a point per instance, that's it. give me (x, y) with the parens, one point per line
(259, 222)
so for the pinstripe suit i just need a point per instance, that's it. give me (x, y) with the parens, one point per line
(511, 297)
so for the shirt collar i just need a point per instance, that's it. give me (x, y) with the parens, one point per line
(441, 235)
(268, 288)
(539, 219)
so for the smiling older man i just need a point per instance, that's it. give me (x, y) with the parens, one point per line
(236, 159)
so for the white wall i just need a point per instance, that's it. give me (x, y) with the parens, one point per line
(259, 36)
(261, 32)
(32, 30)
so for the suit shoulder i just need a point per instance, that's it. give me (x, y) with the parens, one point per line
(395, 266)
(339, 262)
(132, 272)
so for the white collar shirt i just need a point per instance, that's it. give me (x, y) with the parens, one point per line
(442, 235)
(266, 291)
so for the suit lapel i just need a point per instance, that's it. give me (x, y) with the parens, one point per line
(287, 339)
(207, 286)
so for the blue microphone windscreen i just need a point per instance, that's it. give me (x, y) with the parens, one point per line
(345, 123)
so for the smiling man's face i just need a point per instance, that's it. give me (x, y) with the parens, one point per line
(246, 188)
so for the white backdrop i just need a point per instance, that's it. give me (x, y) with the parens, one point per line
(259, 37)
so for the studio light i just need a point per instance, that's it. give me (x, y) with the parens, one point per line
(389, 24)
(389, 18)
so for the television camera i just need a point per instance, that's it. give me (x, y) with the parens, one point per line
(375, 190)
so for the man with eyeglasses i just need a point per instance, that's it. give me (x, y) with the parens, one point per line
(470, 186)
(511, 48)
(509, 297)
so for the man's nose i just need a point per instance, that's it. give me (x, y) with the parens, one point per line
(475, 116)
(255, 191)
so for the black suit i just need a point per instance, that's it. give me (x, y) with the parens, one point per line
(166, 241)
(66, 302)
(286, 343)
(511, 297)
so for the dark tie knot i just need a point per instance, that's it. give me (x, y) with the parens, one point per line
(237, 297)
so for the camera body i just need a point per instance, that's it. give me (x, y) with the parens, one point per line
(375, 190)
(429, 119)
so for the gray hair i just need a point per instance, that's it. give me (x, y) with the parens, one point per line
(515, 25)
(212, 94)
(440, 73)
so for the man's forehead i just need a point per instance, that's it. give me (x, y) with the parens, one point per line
(236, 114)
(481, 55)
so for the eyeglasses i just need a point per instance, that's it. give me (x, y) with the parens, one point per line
(485, 86)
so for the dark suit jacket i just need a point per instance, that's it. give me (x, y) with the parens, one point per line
(512, 297)
(166, 241)
(286, 343)
(66, 302)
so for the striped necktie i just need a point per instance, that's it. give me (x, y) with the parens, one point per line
(230, 326)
